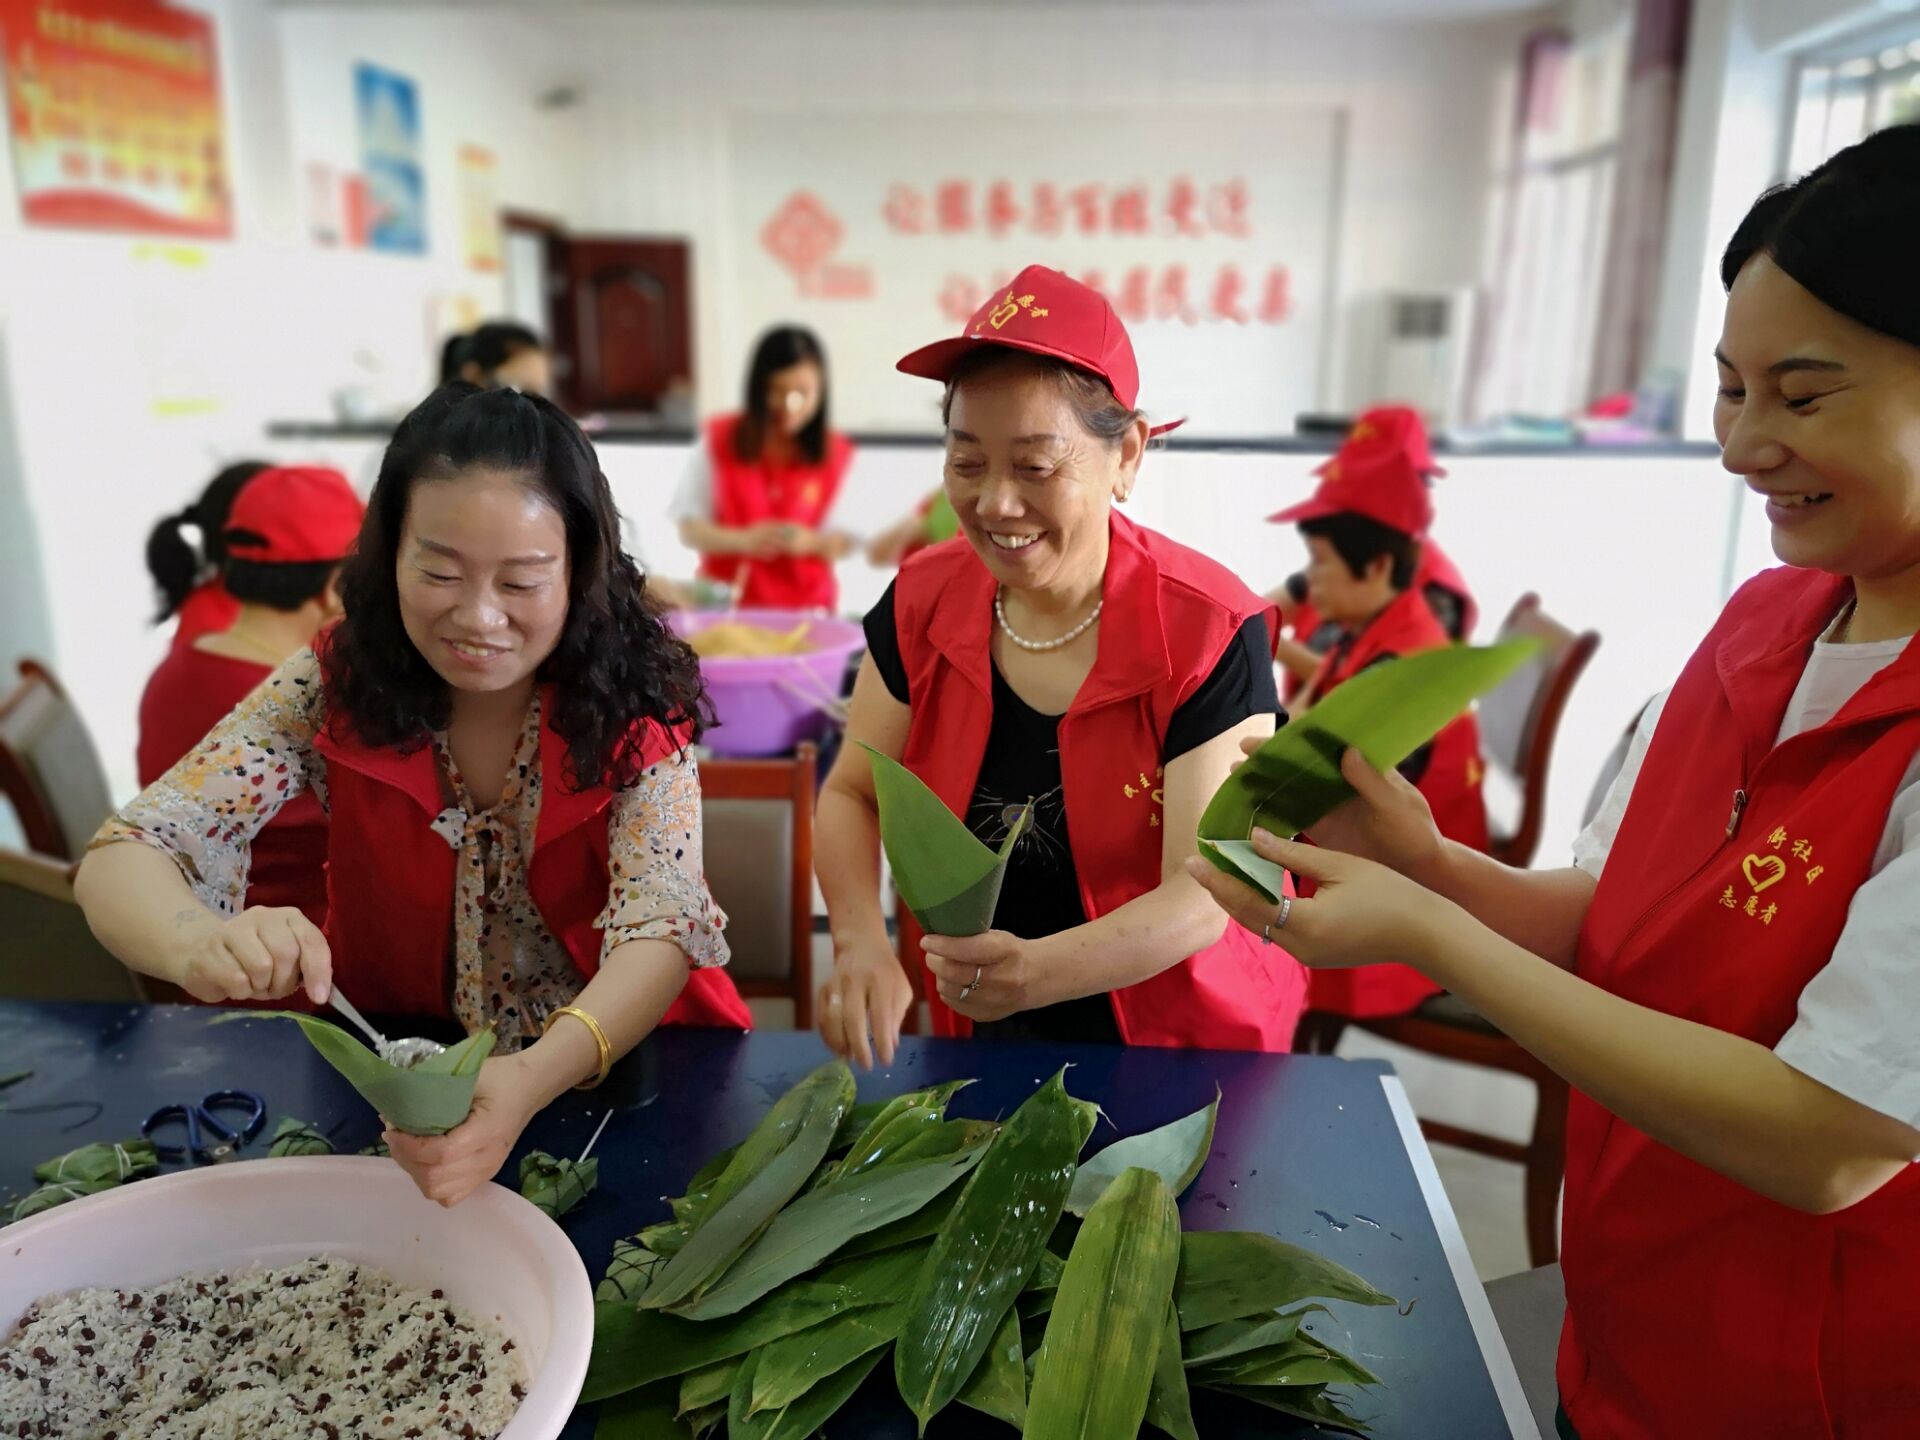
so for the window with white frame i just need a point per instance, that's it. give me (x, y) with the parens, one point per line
(1843, 95)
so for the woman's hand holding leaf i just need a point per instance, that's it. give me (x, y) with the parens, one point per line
(450, 1167)
(868, 995)
(265, 953)
(1388, 820)
(1361, 914)
(1013, 973)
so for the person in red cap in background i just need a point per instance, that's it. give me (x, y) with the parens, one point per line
(1305, 633)
(1364, 528)
(1055, 653)
(285, 538)
(499, 729)
(186, 573)
(761, 485)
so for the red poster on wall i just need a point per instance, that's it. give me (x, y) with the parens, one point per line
(114, 107)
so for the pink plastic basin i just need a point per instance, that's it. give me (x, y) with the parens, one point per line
(766, 705)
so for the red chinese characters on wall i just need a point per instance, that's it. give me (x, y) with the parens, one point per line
(1184, 207)
(1174, 294)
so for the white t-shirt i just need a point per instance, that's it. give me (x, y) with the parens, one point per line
(1858, 1030)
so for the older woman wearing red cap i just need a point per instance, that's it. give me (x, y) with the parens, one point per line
(1055, 653)
(1305, 634)
(1365, 529)
(284, 541)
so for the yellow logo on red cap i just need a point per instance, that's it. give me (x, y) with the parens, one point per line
(1010, 307)
(1363, 431)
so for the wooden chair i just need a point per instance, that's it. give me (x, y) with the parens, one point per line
(1518, 725)
(49, 769)
(758, 826)
(49, 953)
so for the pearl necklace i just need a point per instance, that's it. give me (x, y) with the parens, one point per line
(1000, 614)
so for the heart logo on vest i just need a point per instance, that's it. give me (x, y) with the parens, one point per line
(1763, 870)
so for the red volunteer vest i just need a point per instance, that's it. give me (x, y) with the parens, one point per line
(1694, 1306)
(390, 878)
(1170, 615)
(207, 610)
(188, 694)
(753, 492)
(1436, 570)
(1451, 785)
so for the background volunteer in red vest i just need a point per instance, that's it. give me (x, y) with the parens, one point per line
(1056, 653)
(1727, 974)
(187, 572)
(498, 730)
(1364, 529)
(1305, 633)
(285, 539)
(760, 488)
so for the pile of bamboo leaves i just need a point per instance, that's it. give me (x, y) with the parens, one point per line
(984, 1262)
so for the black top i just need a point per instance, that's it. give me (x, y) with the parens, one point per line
(1040, 895)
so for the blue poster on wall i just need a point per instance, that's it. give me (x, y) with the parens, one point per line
(389, 111)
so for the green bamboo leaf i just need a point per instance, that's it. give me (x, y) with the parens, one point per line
(9, 1080)
(640, 1415)
(998, 1385)
(1237, 1337)
(1386, 712)
(1042, 1285)
(769, 1170)
(804, 1416)
(429, 1098)
(1299, 1361)
(100, 1163)
(852, 1124)
(709, 1385)
(921, 1226)
(1096, 1365)
(633, 1347)
(1174, 1152)
(378, 1149)
(710, 1421)
(1239, 859)
(987, 1248)
(293, 1137)
(943, 522)
(1225, 1274)
(945, 876)
(555, 1185)
(1169, 1406)
(794, 1364)
(59, 1193)
(898, 1126)
(1303, 1403)
(816, 1225)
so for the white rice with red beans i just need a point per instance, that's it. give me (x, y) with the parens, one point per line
(320, 1350)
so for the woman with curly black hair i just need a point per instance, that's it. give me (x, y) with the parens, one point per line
(498, 730)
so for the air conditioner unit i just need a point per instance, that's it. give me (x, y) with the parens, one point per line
(1420, 346)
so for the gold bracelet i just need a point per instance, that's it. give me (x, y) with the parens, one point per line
(599, 1039)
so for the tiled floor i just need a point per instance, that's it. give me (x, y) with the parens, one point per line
(1486, 1194)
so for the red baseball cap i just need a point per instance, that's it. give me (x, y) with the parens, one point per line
(1380, 471)
(294, 515)
(1044, 313)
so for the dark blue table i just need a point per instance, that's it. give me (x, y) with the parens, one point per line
(1320, 1152)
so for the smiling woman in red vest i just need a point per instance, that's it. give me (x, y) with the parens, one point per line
(497, 730)
(1055, 653)
(761, 485)
(1306, 634)
(1729, 974)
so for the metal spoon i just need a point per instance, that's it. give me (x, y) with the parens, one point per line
(401, 1054)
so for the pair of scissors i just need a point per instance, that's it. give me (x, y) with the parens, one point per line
(210, 1140)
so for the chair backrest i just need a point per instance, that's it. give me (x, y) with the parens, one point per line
(1610, 768)
(49, 769)
(49, 953)
(757, 840)
(1519, 721)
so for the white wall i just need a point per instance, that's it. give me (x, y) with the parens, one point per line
(135, 369)
(1419, 99)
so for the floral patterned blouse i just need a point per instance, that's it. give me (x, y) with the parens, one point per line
(509, 969)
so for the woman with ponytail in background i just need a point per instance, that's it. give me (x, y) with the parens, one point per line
(188, 575)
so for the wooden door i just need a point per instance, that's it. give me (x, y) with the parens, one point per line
(631, 324)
